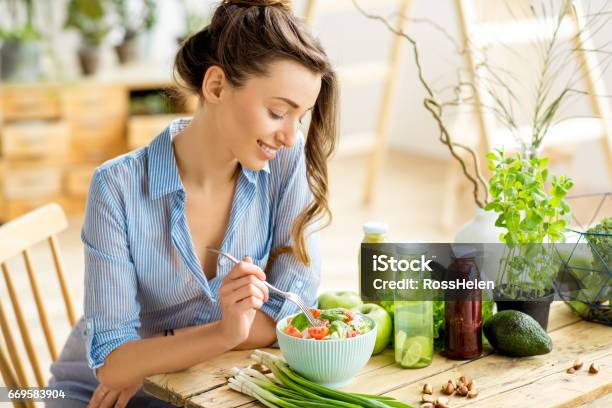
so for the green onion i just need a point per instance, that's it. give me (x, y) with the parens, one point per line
(275, 364)
(287, 389)
(339, 395)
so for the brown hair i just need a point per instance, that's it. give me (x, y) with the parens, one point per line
(243, 37)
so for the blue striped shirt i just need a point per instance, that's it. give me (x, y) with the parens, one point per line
(142, 274)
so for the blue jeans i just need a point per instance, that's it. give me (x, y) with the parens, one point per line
(71, 374)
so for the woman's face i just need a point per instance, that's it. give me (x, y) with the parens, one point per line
(264, 114)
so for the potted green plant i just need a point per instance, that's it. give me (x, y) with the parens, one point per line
(534, 218)
(20, 49)
(134, 22)
(90, 18)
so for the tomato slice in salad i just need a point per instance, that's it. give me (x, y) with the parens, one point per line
(352, 333)
(293, 331)
(318, 333)
(349, 315)
(315, 312)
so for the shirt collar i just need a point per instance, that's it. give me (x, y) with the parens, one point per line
(161, 164)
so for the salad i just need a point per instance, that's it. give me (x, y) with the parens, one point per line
(332, 324)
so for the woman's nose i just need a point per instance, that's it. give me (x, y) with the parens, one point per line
(287, 136)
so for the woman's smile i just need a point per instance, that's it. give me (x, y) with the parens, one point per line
(268, 152)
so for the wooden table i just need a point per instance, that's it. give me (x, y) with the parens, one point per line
(539, 381)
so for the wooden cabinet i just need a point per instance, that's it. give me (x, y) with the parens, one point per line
(27, 181)
(143, 128)
(53, 136)
(77, 179)
(104, 100)
(39, 139)
(97, 119)
(25, 102)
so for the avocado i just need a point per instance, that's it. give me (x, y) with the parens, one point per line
(516, 334)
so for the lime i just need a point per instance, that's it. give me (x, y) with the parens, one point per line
(426, 344)
(412, 353)
(400, 338)
(415, 349)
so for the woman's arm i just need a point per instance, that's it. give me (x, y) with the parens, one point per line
(262, 334)
(130, 363)
(241, 294)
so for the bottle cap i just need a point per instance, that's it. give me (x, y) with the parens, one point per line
(375, 228)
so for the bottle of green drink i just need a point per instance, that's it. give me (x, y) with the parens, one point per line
(413, 333)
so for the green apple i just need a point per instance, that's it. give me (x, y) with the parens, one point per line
(383, 324)
(345, 299)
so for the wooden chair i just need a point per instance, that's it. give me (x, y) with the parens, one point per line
(16, 239)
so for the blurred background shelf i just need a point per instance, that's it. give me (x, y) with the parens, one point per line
(53, 135)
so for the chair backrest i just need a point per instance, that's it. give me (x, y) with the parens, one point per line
(16, 239)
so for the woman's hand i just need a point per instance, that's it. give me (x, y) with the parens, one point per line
(242, 293)
(104, 397)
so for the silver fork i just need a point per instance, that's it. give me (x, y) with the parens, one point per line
(292, 297)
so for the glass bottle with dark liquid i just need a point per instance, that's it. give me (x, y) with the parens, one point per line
(463, 313)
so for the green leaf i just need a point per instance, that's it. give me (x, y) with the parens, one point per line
(513, 219)
(339, 327)
(500, 221)
(558, 191)
(300, 322)
(495, 189)
(559, 224)
(543, 163)
(532, 220)
(564, 207)
(333, 315)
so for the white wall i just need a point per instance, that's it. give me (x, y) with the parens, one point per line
(413, 129)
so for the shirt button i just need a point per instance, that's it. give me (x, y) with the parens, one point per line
(299, 284)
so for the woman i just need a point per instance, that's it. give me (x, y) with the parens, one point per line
(237, 176)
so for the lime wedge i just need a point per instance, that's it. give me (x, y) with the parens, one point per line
(412, 353)
(426, 344)
(400, 338)
(415, 349)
